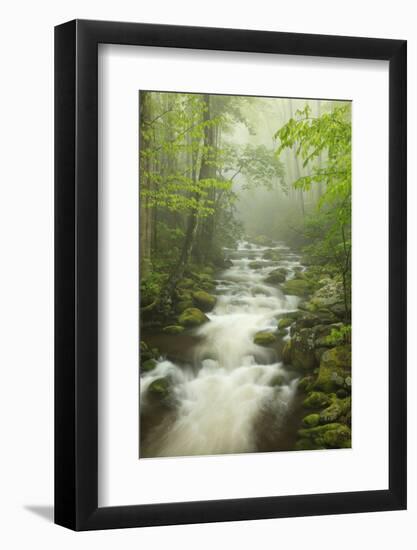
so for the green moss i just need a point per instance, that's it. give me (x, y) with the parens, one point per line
(302, 350)
(330, 436)
(334, 369)
(338, 438)
(277, 276)
(297, 287)
(285, 323)
(204, 300)
(148, 365)
(186, 283)
(311, 420)
(159, 388)
(264, 338)
(316, 400)
(173, 329)
(182, 305)
(256, 265)
(192, 317)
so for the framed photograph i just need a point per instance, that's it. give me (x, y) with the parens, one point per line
(230, 252)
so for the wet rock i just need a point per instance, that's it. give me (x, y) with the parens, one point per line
(316, 400)
(186, 283)
(277, 276)
(308, 320)
(285, 322)
(160, 388)
(182, 305)
(311, 420)
(148, 365)
(173, 329)
(335, 410)
(264, 338)
(192, 317)
(331, 436)
(203, 300)
(334, 368)
(302, 350)
(297, 287)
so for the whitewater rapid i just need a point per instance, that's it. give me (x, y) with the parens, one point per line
(232, 381)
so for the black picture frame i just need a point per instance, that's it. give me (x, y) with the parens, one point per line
(76, 272)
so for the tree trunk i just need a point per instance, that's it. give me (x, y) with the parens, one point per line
(145, 225)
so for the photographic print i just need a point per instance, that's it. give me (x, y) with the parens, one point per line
(245, 274)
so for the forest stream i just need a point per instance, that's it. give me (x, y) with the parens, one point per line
(229, 395)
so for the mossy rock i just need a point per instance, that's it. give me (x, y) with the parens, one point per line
(277, 276)
(173, 329)
(311, 420)
(297, 287)
(302, 350)
(192, 317)
(187, 282)
(203, 300)
(148, 365)
(160, 388)
(182, 305)
(308, 320)
(331, 436)
(285, 323)
(338, 408)
(264, 338)
(339, 357)
(334, 369)
(316, 400)
(294, 315)
(338, 438)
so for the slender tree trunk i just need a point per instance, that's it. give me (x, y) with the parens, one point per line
(145, 231)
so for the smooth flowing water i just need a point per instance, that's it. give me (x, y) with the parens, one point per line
(231, 395)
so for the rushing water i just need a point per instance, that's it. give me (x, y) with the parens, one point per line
(231, 395)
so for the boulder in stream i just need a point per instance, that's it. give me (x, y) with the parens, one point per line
(192, 317)
(302, 349)
(264, 338)
(204, 300)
